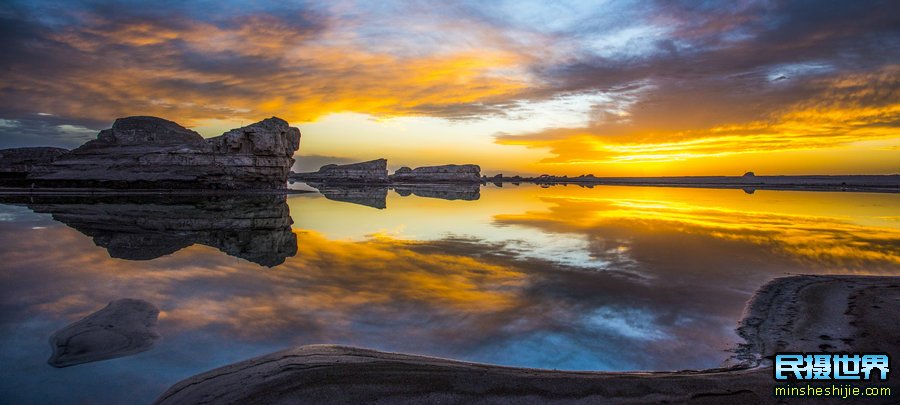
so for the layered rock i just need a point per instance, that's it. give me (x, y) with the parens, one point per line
(150, 152)
(438, 174)
(123, 328)
(253, 227)
(373, 171)
(16, 163)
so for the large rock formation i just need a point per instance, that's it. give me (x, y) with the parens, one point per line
(150, 152)
(373, 171)
(254, 227)
(16, 163)
(439, 174)
(122, 328)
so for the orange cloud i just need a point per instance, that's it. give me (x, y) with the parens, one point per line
(257, 66)
(848, 109)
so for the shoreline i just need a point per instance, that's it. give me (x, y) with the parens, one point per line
(796, 313)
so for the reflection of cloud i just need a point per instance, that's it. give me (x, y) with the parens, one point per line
(679, 267)
(457, 298)
(810, 239)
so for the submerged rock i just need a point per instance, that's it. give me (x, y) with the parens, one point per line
(373, 171)
(152, 153)
(445, 173)
(122, 328)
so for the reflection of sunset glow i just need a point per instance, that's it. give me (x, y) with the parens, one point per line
(604, 278)
(841, 241)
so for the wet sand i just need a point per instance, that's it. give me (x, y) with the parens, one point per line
(800, 313)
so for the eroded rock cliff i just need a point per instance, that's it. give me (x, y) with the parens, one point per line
(444, 173)
(16, 163)
(373, 171)
(150, 152)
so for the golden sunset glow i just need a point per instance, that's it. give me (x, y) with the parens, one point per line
(528, 89)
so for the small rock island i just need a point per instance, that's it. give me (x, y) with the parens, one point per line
(376, 172)
(154, 153)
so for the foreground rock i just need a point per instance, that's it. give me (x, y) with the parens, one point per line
(122, 328)
(254, 227)
(153, 153)
(790, 314)
(439, 174)
(371, 172)
(16, 163)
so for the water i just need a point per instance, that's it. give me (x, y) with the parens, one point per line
(609, 278)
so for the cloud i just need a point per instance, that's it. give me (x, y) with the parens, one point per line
(671, 81)
(843, 110)
(105, 64)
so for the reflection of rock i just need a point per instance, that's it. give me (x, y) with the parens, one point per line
(444, 173)
(122, 328)
(376, 195)
(153, 153)
(371, 196)
(445, 191)
(142, 227)
(373, 171)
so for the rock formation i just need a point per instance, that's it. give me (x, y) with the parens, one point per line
(253, 227)
(372, 172)
(439, 174)
(122, 328)
(16, 163)
(153, 153)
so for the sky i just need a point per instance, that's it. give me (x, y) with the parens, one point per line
(613, 88)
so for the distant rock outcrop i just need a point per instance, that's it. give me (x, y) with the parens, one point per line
(153, 153)
(122, 328)
(373, 171)
(439, 174)
(255, 227)
(16, 163)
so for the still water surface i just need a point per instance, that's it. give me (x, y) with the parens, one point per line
(608, 278)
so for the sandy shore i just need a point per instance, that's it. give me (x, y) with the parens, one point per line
(801, 313)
